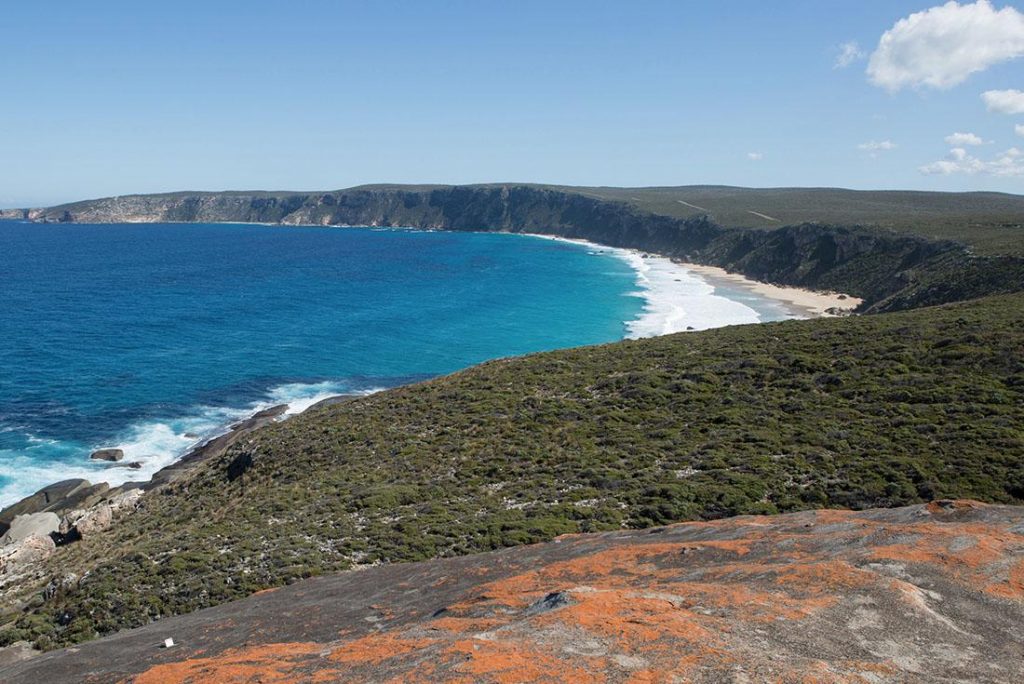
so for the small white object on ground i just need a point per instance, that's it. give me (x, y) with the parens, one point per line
(168, 643)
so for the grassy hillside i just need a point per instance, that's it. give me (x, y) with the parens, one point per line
(871, 411)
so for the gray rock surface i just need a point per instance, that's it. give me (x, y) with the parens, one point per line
(24, 526)
(927, 593)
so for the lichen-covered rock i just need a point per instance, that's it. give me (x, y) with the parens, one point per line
(924, 593)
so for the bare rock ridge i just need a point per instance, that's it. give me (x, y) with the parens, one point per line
(889, 271)
(917, 594)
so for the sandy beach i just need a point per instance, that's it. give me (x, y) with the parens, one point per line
(681, 296)
(810, 302)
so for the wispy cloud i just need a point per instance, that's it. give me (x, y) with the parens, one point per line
(1019, 130)
(941, 46)
(877, 146)
(1004, 101)
(755, 156)
(849, 52)
(959, 160)
(961, 139)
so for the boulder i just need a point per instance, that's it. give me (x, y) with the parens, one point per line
(82, 523)
(18, 557)
(134, 465)
(33, 524)
(107, 455)
(45, 499)
(94, 520)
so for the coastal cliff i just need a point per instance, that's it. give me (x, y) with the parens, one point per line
(888, 270)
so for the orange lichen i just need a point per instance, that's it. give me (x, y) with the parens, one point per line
(511, 663)
(824, 574)
(1013, 586)
(647, 608)
(632, 620)
(376, 648)
(280, 663)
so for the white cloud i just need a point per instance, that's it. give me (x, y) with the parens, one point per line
(1004, 101)
(755, 156)
(940, 47)
(961, 139)
(1008, 163)
(1019, 130)
(849, 53)
(877, 146)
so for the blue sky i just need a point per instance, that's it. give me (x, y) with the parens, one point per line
(105, 98)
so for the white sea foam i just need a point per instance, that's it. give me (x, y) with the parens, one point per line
(154, 444)
(675, 298)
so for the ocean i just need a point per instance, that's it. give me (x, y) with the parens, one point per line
(154, 337)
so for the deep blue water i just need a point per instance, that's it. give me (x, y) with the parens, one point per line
(150, 337)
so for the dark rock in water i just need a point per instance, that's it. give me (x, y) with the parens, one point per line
(58, 498)
(134, 465)
(107, 455)
(191, 435)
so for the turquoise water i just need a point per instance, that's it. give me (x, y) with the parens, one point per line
(152, 337)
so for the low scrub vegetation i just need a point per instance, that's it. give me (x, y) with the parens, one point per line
(869, 411)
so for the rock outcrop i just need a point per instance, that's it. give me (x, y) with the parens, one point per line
(83, 523)
(58, 498)
(107, 455)
(27, 543)
(917, 594)
(32, 524)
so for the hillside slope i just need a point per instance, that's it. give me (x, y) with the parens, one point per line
(991, 222)
(888, 270)
(880, 410)
(919, 594)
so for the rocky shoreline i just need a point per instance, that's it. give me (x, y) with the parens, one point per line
(37, 527)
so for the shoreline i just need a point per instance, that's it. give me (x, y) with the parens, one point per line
(800, 303)
(815, 303)
(678, 297)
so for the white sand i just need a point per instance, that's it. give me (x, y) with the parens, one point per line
(682, 296)
(808, 301)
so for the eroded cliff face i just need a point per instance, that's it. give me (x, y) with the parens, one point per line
(919, 594)
(888, 271)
